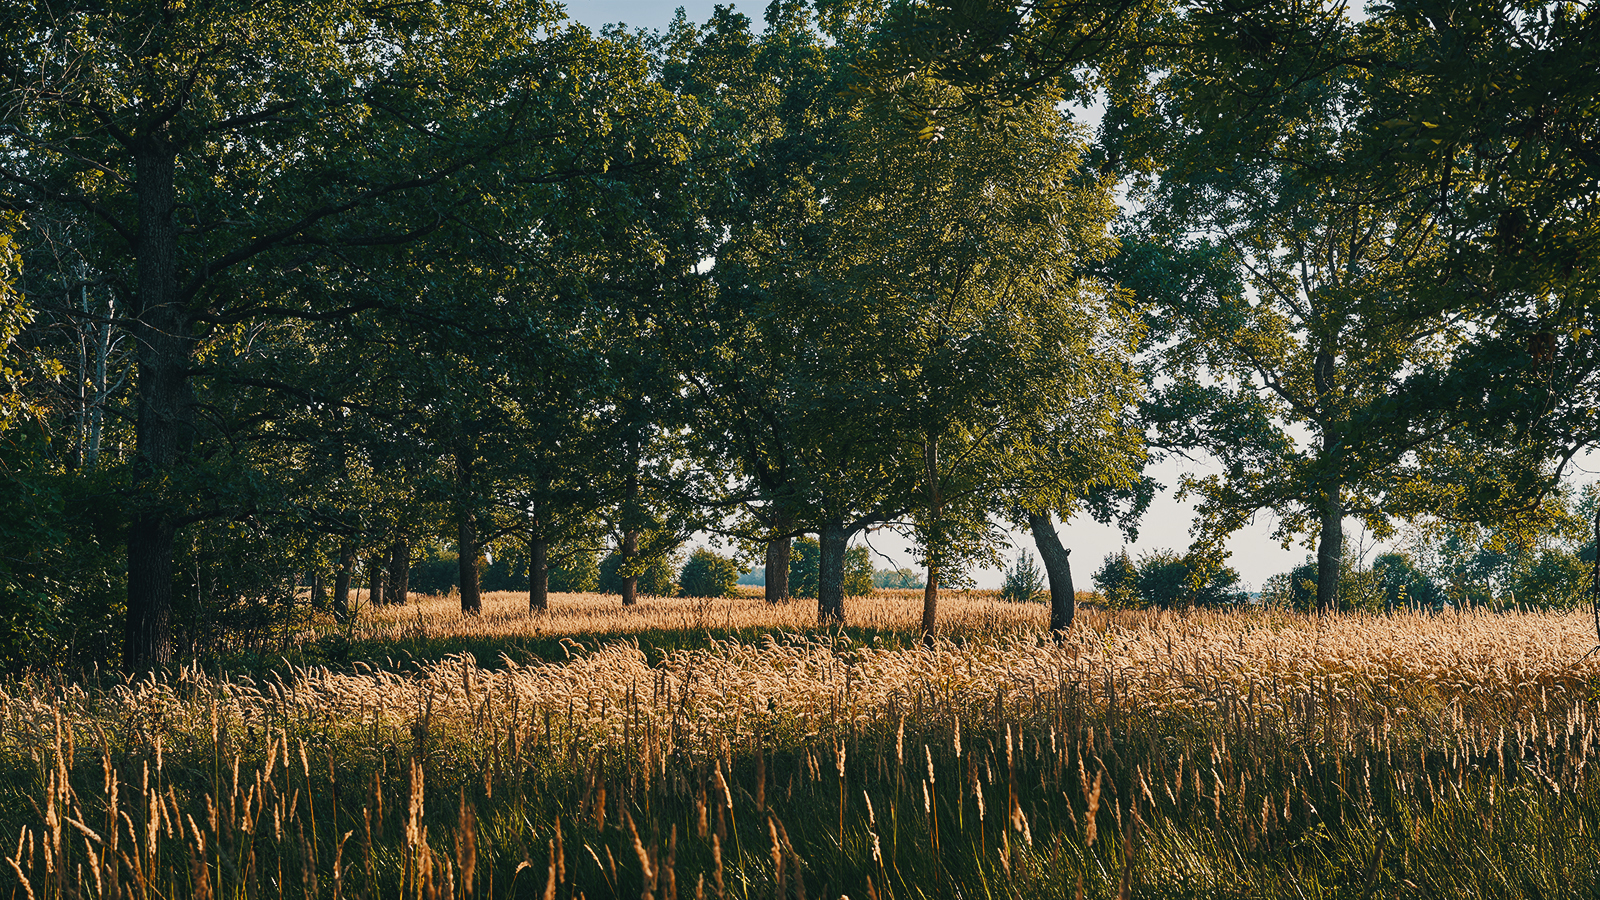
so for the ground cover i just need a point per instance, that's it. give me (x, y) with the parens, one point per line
(1148, 754)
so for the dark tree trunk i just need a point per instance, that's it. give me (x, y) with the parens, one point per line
(165, 411)
(1058, 569)
(930, 591)
(630, 582)
(375, 578)
(830, 573)
(399, 573)
(469, 561)
(538, 573)
(319, 600)
(1330, 550)
(341, 582)
(778, 552)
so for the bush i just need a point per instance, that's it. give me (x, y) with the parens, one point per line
(1118, 581)
(708, 574)
(655, 575)
(1024, 580)
(1165, 579)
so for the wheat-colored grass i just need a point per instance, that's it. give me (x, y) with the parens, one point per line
(505, 614)
(1283, 716)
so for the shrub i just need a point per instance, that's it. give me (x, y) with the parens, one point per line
(1118, 581)
(1024, 580)
(655, 575)
(708, 574)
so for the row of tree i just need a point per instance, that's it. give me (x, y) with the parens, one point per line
(296, 287)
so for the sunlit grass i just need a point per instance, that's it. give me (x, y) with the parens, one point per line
(1169, 754)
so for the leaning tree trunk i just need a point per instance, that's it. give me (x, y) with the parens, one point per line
(538, 573)
(164, 399)
(1058, 569)
(341, 582)
(778, 553)
(830, 573)
(1330, 550)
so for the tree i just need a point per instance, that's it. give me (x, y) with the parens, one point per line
(1118, 580)
(1292, 319)
(220, 146)
(1023, 581)
(708, 574)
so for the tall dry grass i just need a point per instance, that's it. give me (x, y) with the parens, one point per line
(1181, 746)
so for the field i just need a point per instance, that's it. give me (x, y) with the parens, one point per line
(724, 749)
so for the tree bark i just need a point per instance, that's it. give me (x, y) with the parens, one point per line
(164, 399)
(778, 552)
(630, 581)
(341, 582)
(830, 573)
(930, 591)
(1330, 549)
(1058, 569)
(375, 578)
(399, 573)
(538, 573)
(469, 561)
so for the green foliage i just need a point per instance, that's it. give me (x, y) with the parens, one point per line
(857, 572)
(1024, 580)
(1165, 579)
(577, 573)
(901, 578)
(1117, 580)
(656, 575)
(804, 555)
(436, 570)
(708, 574)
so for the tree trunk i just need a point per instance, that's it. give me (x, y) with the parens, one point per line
(830, 573)
(375, 577)
(399, 573)
(777, 574)
(779, 552)
(1058, 569)
(930, 591)
(630, 581)
(538, 573)
(1330, 549)
(469, 560)
(164, 400)
(341, 582)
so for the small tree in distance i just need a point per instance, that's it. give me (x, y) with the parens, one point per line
(708, 574)
(1024, 580)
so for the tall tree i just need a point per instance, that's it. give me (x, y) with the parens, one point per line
(222, 141)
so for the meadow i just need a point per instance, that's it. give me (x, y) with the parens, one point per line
(726, 749)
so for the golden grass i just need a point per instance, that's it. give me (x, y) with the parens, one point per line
(505, 614)
(1464, 693)
(1476, 670)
